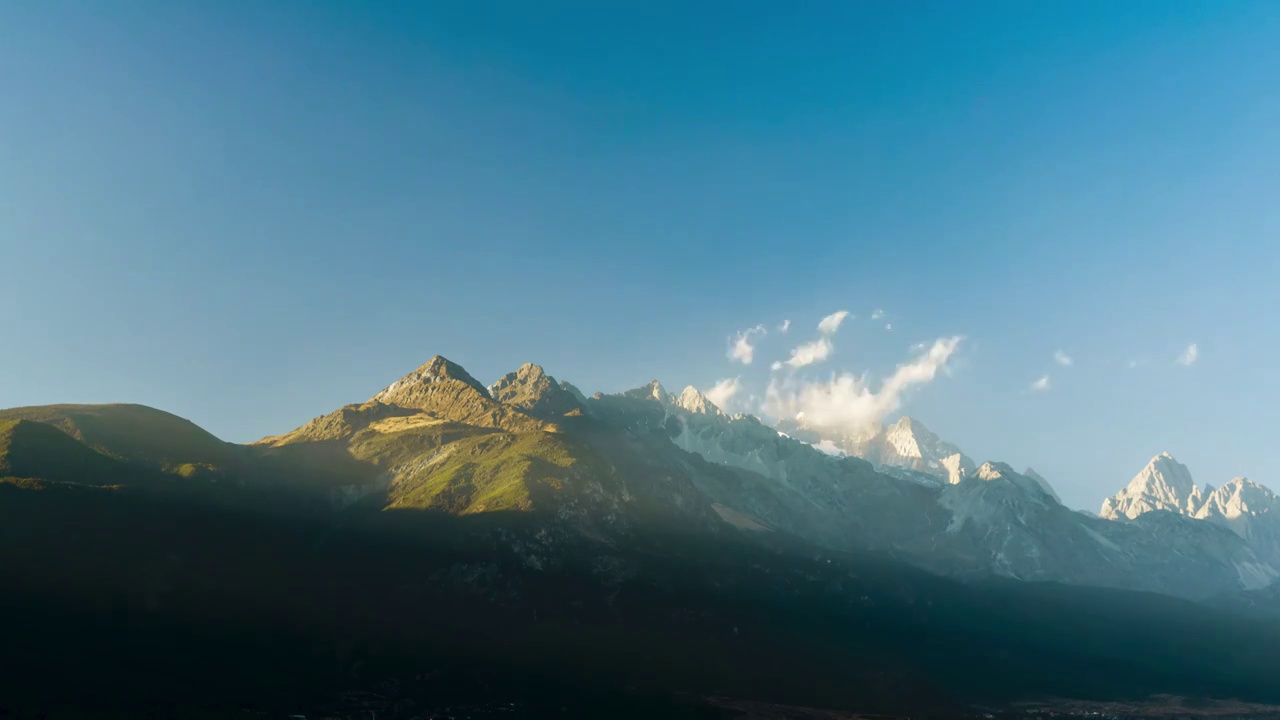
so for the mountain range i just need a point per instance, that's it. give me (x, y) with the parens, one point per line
(536, 531)
(1246, 508)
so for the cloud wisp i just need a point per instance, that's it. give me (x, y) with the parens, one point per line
(810, 353)
(1189, 356)
(831, 323)
(877, 314)
(742, 348)
(723, 392)
(848, 404)
(1041, 384)
(784, 327)
(1062, 358)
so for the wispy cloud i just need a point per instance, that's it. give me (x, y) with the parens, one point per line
(827, 447)
(831, 323)
(1190, 355)
(888, 326)
(785, 326)
(722, 392)
(810, 353)
(742, 347)
(1062, 358)
(777, 365)
(848, 403)
(877, 314)
(1040, 385)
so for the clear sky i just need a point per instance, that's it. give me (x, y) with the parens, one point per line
(250, 213)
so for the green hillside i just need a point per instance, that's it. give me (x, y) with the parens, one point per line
(36, 451)
(133, 432)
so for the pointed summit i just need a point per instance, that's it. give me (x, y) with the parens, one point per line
(436, 370)
(1044, 484)
(697, 403)
(445, 389)
(998, 471)
(1239, 497)
(1164, 484)
(574, 391)
(908, 443)
(533, 391)
(651, 390)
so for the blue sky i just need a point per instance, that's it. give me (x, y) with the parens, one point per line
(251, 213)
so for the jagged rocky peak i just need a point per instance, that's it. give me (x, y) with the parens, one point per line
(998, 471)
(526, 375)
(907, 435)
(695, 402)
(992, 470)
(574, 391)
(1164, 484)
(408, 390)
(651, 390)
(1238, 498)
(447, 391)
(908, 443)
(535, 392)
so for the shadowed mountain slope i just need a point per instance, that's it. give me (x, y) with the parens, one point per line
(642, 543)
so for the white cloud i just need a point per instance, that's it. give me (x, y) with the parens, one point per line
(1062, 358)
(828, 448)
(785, 326)
(888, 326)
(742, 348)
(810, 353)
(831, 323)
(877, 314)
(777, 365)
(1040, 385)
(1190, 355)
(722, 392)
(847, 404)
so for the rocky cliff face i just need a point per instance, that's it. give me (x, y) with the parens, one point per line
(531, 390)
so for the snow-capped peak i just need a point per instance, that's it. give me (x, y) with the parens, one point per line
(908, 443)
(1237, 498)
(696, 402)
(1164, 484)
(1247, 508)
(906, 435)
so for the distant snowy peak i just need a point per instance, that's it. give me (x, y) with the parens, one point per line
(651, 390)
(1238, 498)
(909, 444)
(908, 439)
(1164, 484)
(697, 403)
(1034, 486)
(1248, 509)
